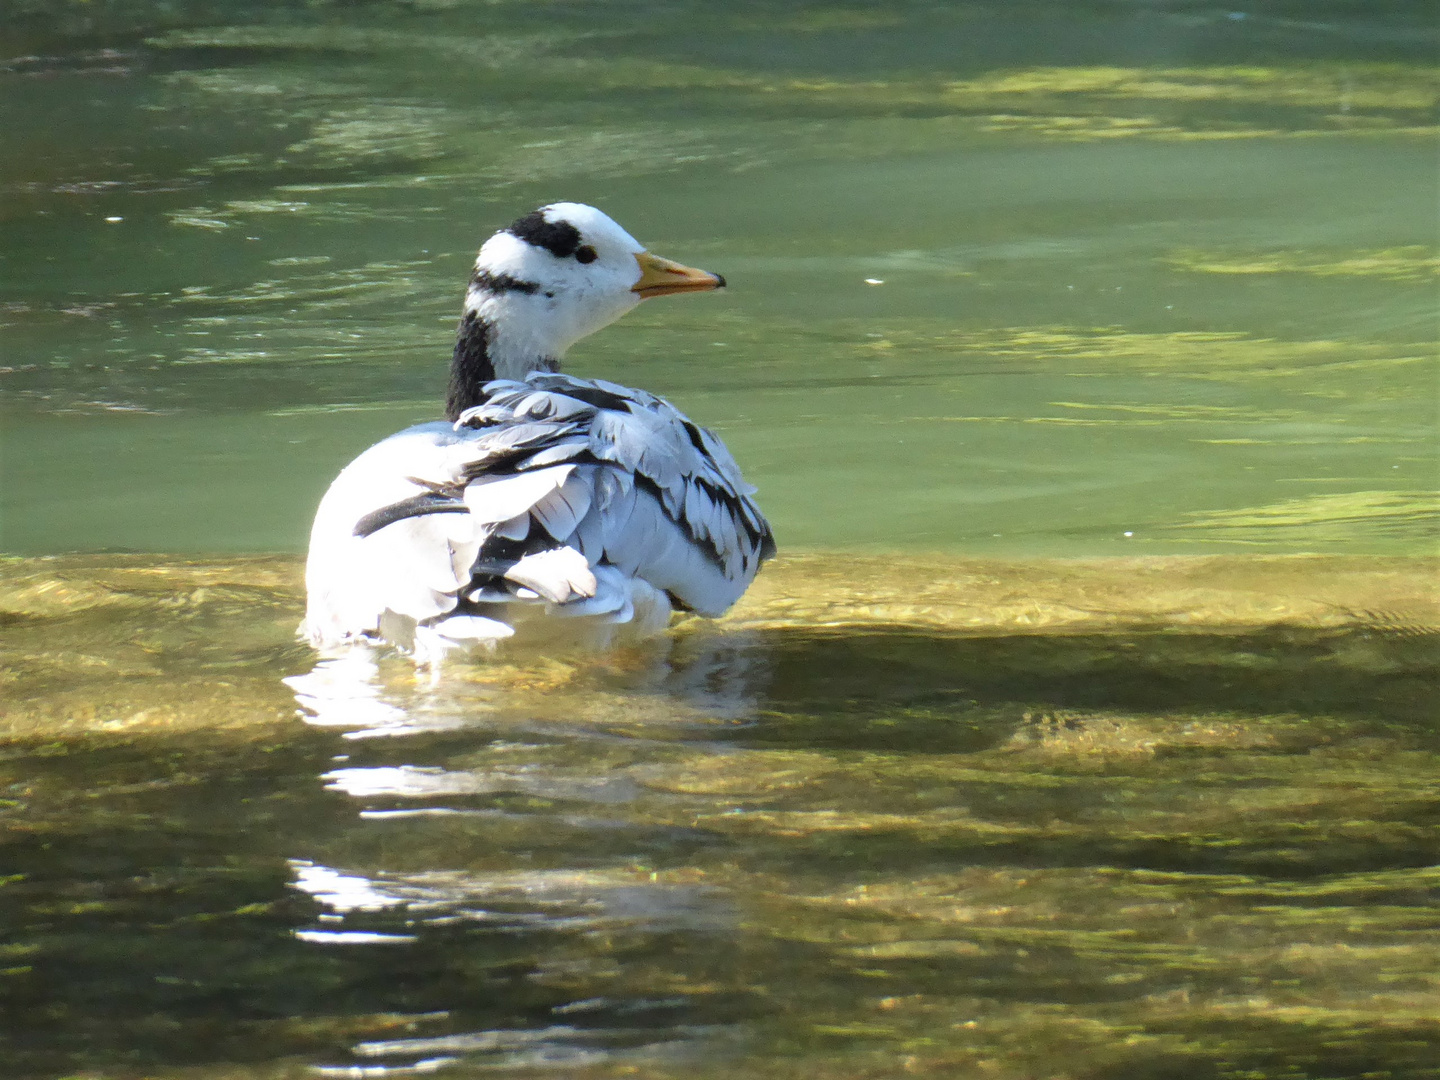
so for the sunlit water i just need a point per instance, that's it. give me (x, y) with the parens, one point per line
(1106, 820)
(1006, 283)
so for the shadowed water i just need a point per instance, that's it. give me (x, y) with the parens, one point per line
(1045, 820)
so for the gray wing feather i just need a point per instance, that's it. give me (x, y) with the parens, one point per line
(685, 467)
(497, 498)
(634, 437)
(553, 455)
(589, 534)
(560, 512)
(617, 474)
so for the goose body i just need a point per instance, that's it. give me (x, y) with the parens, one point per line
(542, 497)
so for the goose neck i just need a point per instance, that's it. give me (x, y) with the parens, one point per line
(490, 346)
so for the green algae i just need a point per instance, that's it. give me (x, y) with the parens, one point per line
(1044, 102)
(1328, 517)
(1412, 262)
(1070, 102)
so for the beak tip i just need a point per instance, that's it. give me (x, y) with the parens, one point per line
(661, 277)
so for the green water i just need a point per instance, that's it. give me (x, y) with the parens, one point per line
(1147, 271)
(1153, 281)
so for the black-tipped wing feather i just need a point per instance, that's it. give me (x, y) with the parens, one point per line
(649, 492)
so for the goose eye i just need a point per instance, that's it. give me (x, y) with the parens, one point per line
(586, 254)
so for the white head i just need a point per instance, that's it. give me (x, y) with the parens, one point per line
(554, 276)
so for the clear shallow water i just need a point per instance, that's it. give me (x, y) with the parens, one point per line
(1156, 271)
(1038, 829)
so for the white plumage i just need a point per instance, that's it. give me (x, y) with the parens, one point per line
(544, 495)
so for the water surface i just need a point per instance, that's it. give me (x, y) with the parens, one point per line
(1154, 278)
(1153, 282)
(1111, 820)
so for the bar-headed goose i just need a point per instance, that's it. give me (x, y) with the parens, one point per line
(541, 496)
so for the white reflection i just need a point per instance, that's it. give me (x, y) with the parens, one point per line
(367, 1072)
(469, 1042)
(353, 937)
(696, 675)
(393, 908)
(346, 690)
(556, 1047)
(342, 892)
(573, 899)
(428, 781)
(343, 691)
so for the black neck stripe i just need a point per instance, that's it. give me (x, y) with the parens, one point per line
(471, 367)
(502, 283)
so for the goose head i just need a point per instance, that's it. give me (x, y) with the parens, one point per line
(549, 279)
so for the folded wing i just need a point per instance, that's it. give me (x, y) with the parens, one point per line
(586, 498)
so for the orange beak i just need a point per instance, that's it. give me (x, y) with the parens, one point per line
(661, 277)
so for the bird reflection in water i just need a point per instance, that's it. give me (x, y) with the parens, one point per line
(503, 880)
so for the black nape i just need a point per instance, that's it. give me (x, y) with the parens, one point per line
(471, 367)
(560, 238)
